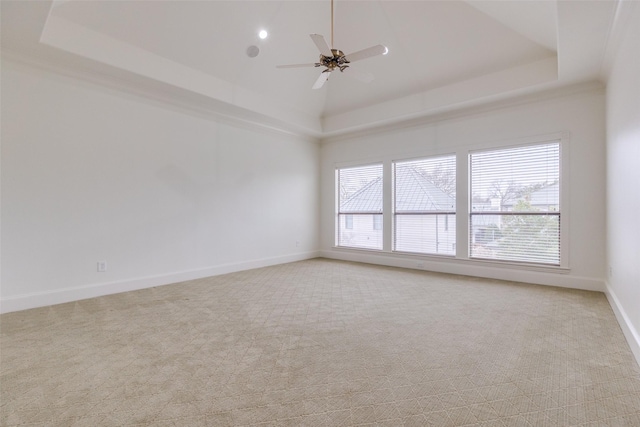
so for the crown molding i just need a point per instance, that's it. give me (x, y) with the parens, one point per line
(161, 94)
(507, 102)
(617, 27)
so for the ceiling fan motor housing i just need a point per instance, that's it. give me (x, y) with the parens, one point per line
(338, 60)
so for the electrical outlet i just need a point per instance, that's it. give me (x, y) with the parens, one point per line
(102, 266)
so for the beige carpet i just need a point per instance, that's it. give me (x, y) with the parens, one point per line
(322, 343)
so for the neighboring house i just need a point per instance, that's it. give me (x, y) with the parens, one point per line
(362, 227)
(421, 222)
(545, 199)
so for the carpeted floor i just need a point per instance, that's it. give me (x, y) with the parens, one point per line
(322, 343)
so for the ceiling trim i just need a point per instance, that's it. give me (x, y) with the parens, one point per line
(620, 21)
(497, 104)
(98, 47)
(587, 37)
(535, 20)
(156, 93)
(469, 92)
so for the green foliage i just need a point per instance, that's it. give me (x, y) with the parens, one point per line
(529, 236)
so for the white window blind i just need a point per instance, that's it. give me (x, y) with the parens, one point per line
(424, 216)
(360, 207)
(515, 204)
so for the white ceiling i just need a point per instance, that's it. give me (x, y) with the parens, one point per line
(443, 55)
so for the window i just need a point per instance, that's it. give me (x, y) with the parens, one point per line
(348, 222)
(512, 195)
(425, 205)
(360, 206)
(515, 204)
(377, 222)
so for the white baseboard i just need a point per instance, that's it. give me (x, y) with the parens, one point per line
(538, 276)
(59, 296)
(629, 331)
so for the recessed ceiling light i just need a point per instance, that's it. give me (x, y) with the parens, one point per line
(263, 34)
(386, 50)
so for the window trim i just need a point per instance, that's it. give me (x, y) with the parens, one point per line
(395, 213)
(338, 213)
(461, 149)
(560, 139)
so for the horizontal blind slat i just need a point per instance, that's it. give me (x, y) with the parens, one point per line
(360, 207)
(424, 200)
(515, 204)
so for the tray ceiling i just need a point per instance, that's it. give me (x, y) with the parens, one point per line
(443, 55)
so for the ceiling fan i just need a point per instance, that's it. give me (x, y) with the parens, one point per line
(334, 59)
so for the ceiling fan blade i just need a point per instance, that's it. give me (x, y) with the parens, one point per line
(322, 45)
(321, 79)
(367, 53)
(296, 65)
(363, 76)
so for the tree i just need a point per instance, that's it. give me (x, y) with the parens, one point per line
(443, 178)
(507, 191)
(529, 237)
(504, 191)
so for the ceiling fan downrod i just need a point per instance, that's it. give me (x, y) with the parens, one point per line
(337, 58)
(332, 25)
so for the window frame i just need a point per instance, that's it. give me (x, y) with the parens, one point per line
(355, 214)
(461, 149)
(399, 213)
(560, 213)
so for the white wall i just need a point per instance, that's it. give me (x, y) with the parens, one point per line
(577, 112)
(623, 181)
(161, 194)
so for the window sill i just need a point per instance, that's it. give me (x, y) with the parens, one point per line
(351, 248)
(517, 265)
(451, 259)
